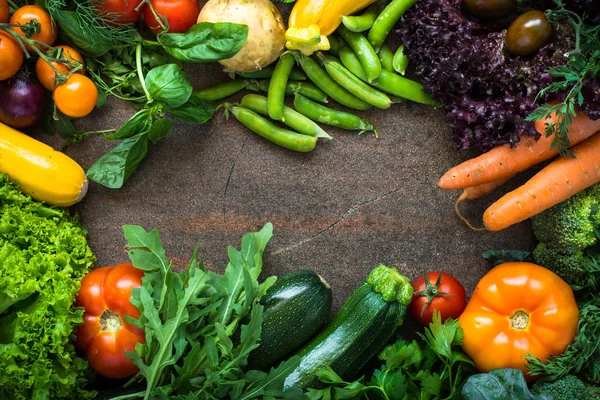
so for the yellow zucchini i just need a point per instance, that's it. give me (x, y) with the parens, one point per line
(311, 21)
(42, 172)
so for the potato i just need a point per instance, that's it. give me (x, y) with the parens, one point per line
(266, 31)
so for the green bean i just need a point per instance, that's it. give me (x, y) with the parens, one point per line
(386, 57)
(354, 85)
(221, 90)
(365, 52)
(321, 78)
(386, 20)
(267, 72)
(261, 126)
(293, 118)
(276, 93)
(361, 23)
(307, 89)
(400, 61)
(388, 82)
(334, 44)
(328, 116)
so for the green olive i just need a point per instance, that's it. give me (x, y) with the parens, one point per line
(528, 33)
(489, 8)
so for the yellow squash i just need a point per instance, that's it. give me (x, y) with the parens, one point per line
(311, 21)
(42, 172)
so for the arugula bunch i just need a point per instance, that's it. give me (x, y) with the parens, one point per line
(570, 79)
(436, 371)
(200, 326)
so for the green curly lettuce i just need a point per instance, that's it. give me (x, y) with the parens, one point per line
(43, 257)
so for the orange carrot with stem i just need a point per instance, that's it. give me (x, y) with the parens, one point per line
(474, 193)
(504, 161)
(558, 181)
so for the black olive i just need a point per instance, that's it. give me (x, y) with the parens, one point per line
(528, 33)
(489, 8)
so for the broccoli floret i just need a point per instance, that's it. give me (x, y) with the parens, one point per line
(592, 392)
(569, 387)
(567, 234)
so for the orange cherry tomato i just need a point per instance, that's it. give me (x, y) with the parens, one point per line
(11, 56)
(4, 12)
(48, 29)
(76, 97)
(46, 74)
(104, 335)
(181, 15)
(518, 308)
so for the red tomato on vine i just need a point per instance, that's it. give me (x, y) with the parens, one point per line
(119, 12)
(179, 15)
(440, 291)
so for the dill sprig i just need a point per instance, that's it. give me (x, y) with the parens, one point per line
(583, 64)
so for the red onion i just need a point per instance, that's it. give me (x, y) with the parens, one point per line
(22, 100)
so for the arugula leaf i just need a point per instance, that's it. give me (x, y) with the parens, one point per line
(205, 42)
(258, 384)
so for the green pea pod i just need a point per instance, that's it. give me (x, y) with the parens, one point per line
(400, 61)
(388, 82)
(366, 54)
(386, 57)
(321, 78)
(267, 73)
(307, 89)
(292, 118)
(334, 45)
(221, 90)
(386, 20)
(361, 23)
(282, 137)
(277, 85)
(354, 85)
(328, 116)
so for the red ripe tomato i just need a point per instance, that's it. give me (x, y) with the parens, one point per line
(104, 335)
(180, 15)
(441, 292)
(119, 12)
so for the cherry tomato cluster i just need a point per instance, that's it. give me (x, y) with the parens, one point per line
(59, 69)
(175, 16)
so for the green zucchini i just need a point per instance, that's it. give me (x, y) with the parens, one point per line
(296, 307)
(359, 331)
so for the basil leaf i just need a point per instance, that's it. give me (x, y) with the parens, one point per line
(139, 123)
(205, 42)
(113, 168)
(195, 111)
(507, 383)
(159, 129)
(169, 84)
(497, 257)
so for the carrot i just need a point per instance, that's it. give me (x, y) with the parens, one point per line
(504, 161)
(474, 193)
(558, 181)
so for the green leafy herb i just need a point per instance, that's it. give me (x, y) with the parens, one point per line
(43, 257)
(508, 383)
(584, 63)
(205, 42)
(436, 371)
(169, 85)
(496, 257)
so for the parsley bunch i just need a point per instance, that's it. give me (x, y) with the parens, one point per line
(570, 79)
(438, 370)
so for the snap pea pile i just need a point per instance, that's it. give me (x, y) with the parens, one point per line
(358, 72)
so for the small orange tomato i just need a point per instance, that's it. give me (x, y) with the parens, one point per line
(46, 74)
(4, 15)
(518, 308)
(47, 28)
(11, 56)
(76, 97)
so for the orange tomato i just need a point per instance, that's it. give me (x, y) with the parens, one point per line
(46, 74)
(518, 308)
(104, 335)
(4, 15)
(48, 29)
(11, 56)
(76, 97)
